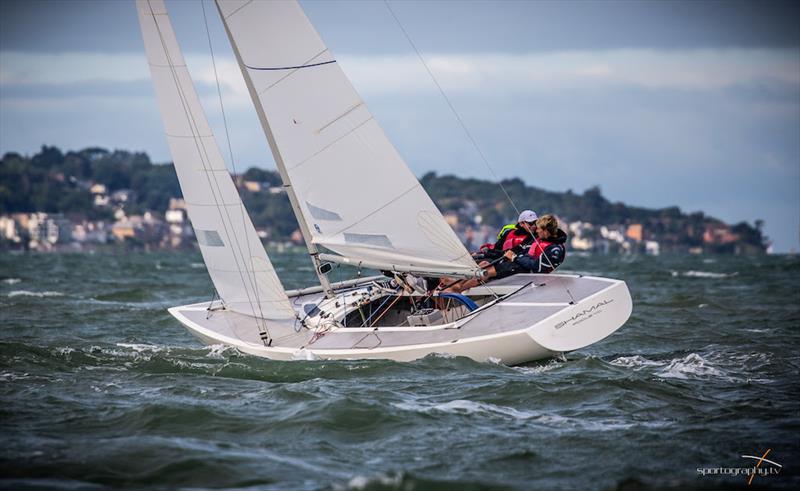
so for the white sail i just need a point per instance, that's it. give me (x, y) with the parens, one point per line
(239, 267)
(353, 190)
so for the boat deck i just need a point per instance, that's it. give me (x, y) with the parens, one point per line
(530, 299)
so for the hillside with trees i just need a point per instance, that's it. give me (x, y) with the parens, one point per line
(53, 181)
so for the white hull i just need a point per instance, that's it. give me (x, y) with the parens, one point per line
(493, 332)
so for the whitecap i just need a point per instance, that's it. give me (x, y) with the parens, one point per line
(197, 265)
(360, 482)
(444, 355)
(140, 348)
(218, 351)
(11, 281)
(11, 376)
(304, 355)
(589, 424)
(690, 366)
(540, 368)
(707, 274)
(466, 407)
(64, 351)
(26, 293)
(462, 406)
(635, 362)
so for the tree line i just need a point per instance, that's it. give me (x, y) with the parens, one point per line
(57, 182)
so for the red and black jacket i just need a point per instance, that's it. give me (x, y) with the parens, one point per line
(544, 255)
(511, 238)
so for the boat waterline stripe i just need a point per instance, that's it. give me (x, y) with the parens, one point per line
(289, 67)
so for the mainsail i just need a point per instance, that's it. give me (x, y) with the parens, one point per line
(237, 263)
(352, 191)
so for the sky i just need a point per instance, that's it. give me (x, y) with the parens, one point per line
(693, 104)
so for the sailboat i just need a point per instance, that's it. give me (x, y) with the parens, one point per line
(358, 204)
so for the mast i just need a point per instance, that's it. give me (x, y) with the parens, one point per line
(313, 251)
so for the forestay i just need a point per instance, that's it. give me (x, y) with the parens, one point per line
(239, 267)
(353, 190)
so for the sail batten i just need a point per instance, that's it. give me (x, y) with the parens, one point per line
(331, 150)
(234, 256)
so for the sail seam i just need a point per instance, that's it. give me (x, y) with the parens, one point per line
(377, 209)
(237, 10)
(326, 126)
(334, 142)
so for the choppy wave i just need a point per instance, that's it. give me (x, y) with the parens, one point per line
(28, 293)
(704, 274)
(636, 361)
(102, 388)
(738, 368)
(11, 281)
(465, 407)
(543, 418)
(692, 365)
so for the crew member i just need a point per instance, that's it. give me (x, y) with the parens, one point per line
(514, 236)
(543, 256)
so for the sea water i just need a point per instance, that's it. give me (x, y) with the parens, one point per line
(101, 388)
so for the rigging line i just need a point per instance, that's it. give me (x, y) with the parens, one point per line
(464, 126)
(193, 127)
(232, 232)
(230, 152)
(452, 108)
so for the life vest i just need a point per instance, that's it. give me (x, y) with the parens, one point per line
(556, 254)
(514, 238)
(505, 230)
(508, 233)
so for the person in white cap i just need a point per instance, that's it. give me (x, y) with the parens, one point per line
(512, 237)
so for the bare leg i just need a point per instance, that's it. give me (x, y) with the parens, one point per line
(472, 282)
(446, 283)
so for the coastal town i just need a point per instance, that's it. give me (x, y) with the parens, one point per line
(170, 229)
(95, 199)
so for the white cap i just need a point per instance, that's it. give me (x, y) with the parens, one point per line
(528, 216)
